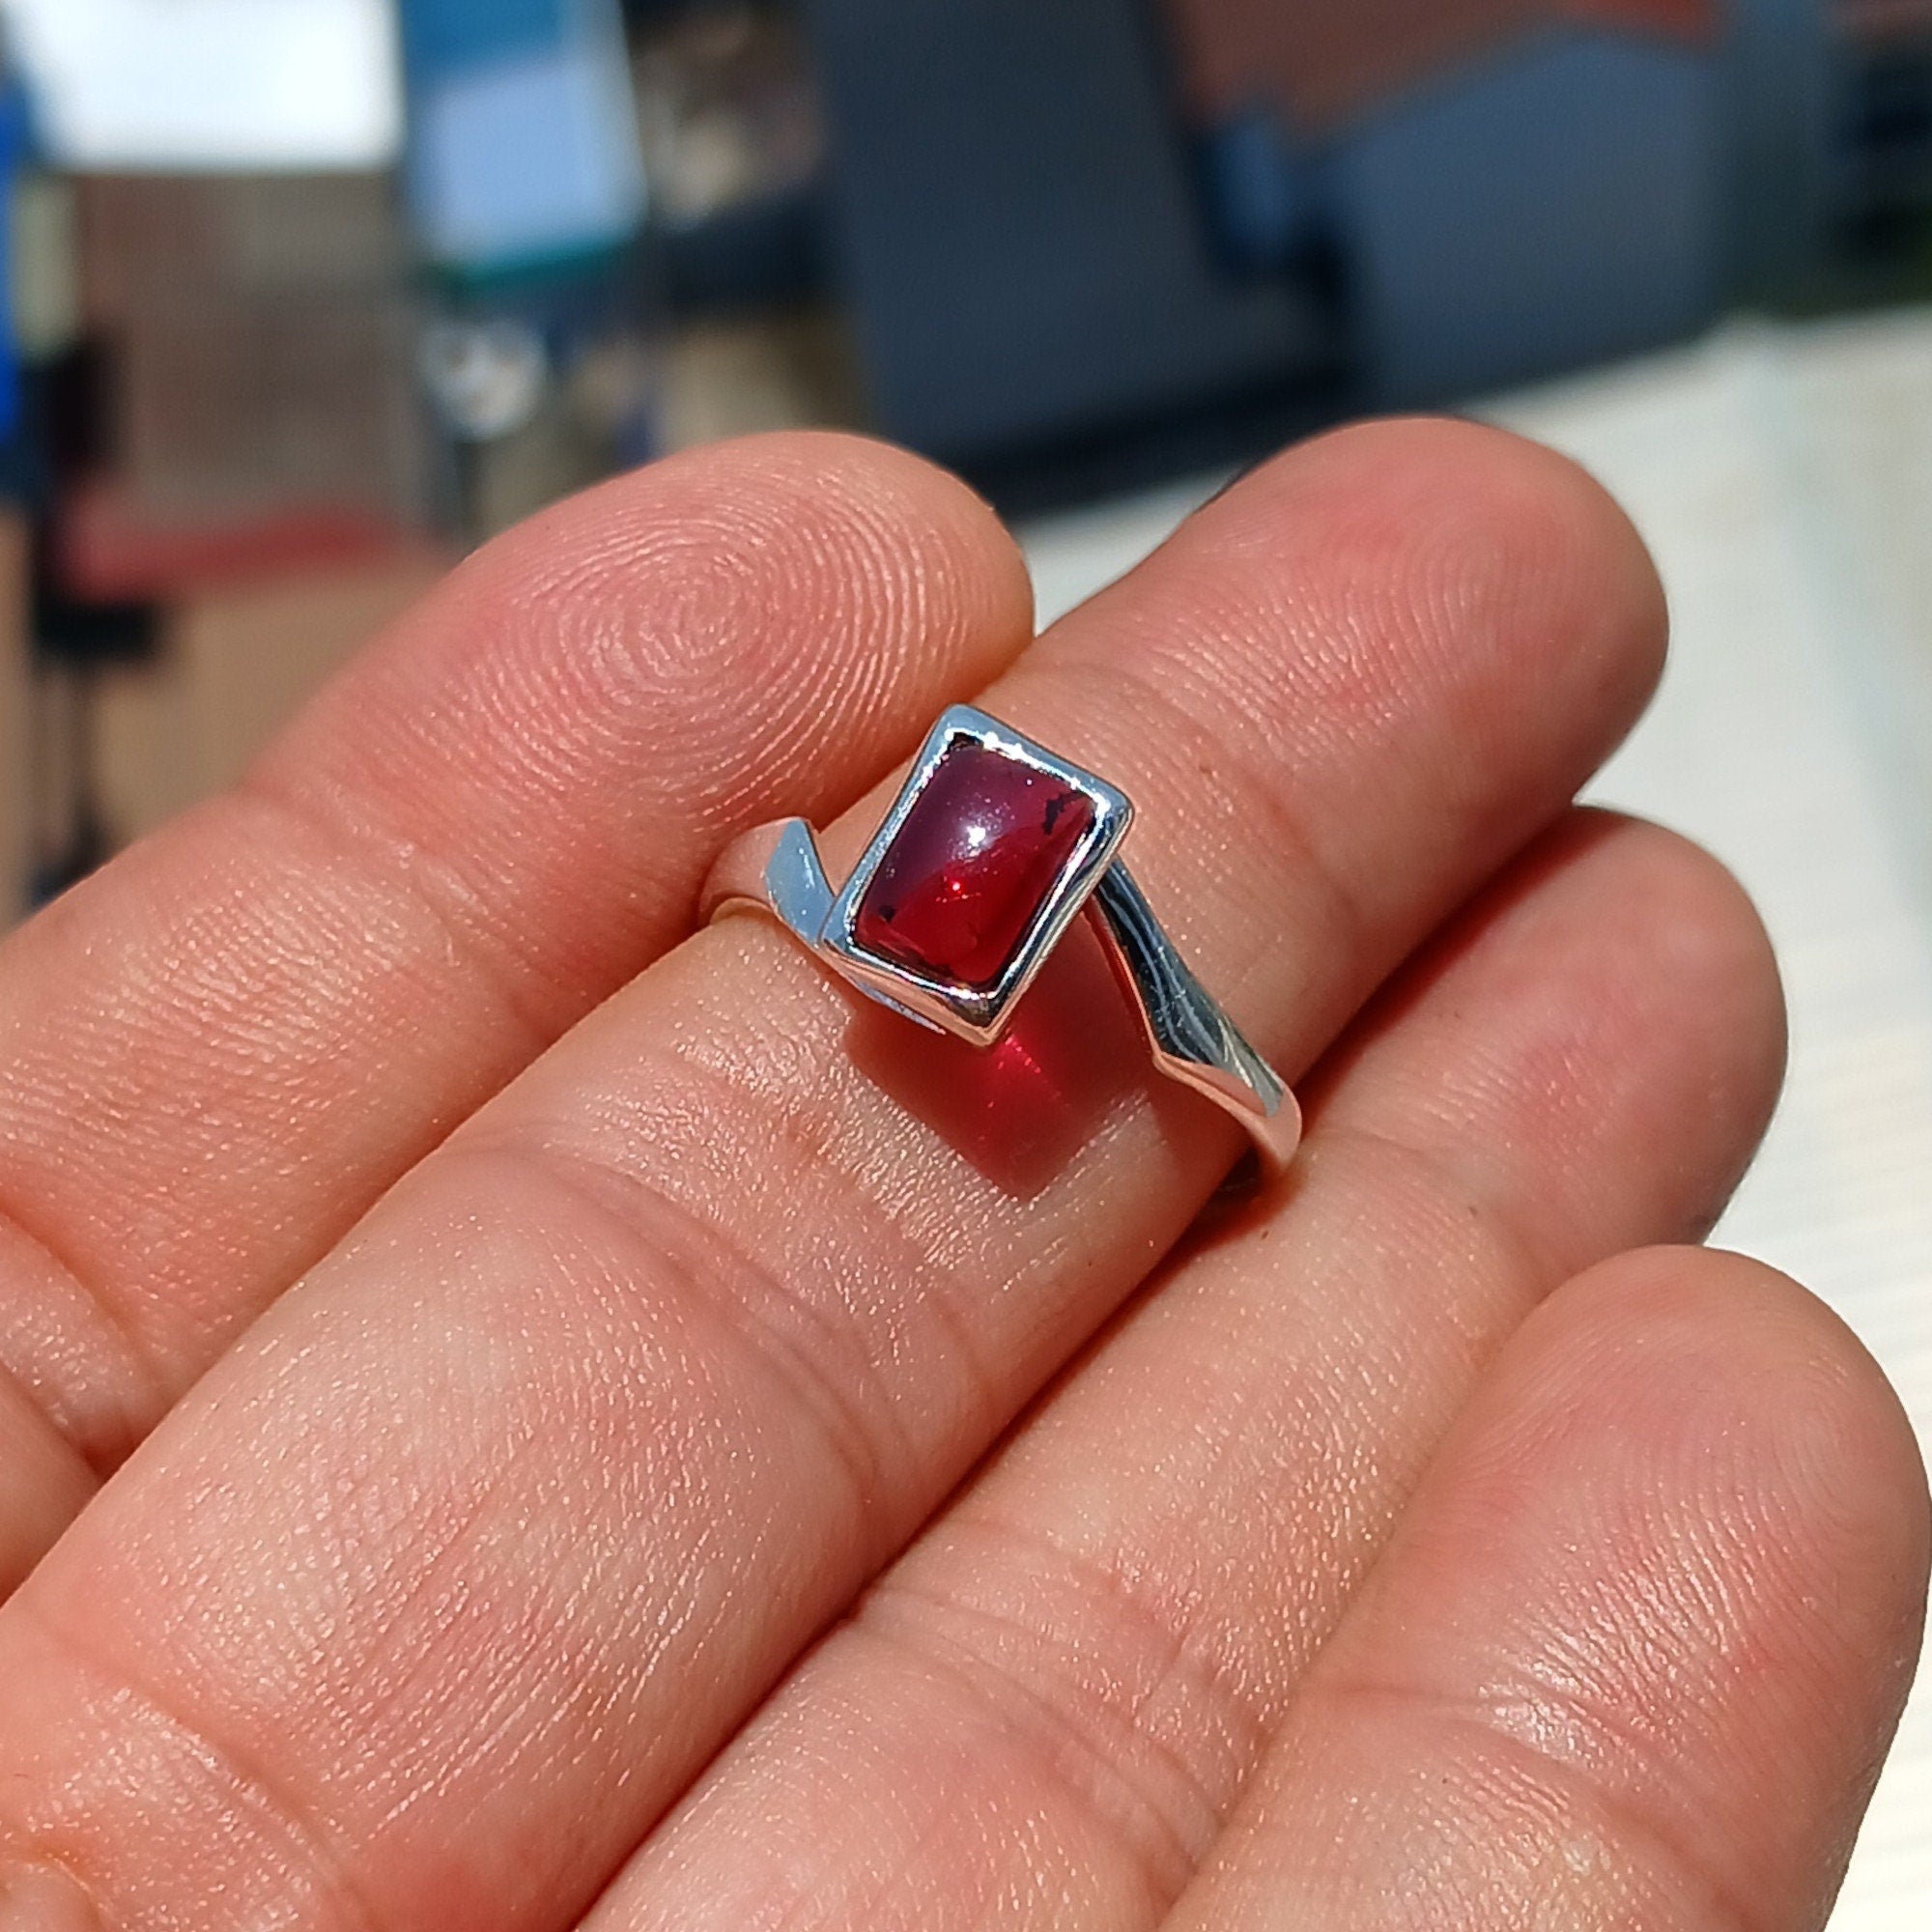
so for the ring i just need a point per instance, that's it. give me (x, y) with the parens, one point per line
(992, 849)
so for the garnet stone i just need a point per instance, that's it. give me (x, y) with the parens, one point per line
(985, 845)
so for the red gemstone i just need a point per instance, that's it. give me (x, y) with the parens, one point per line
(979, 853)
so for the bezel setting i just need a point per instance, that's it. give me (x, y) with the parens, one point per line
(978, 1014)
(953, 894)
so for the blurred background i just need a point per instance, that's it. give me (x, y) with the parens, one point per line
(304, 298)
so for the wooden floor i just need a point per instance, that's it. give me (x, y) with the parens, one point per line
(1784, 479)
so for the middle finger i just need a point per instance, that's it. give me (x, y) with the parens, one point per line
(422, 1610)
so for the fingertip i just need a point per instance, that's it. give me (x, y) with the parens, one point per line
(1696, 968)
(1513, 504)
(774, 614)
(960, 554)
(863, 533)
(1676, 1550)
(1637, 1649)
(1605, 1024)
(1751, 1518)
(1775, 1396)
(1439, 560)
(1554, 511)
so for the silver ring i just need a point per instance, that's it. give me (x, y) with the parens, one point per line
(992, 849)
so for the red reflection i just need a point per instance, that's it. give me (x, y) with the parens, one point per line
(1021, 1110)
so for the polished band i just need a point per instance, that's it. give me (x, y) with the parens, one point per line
(991, 850)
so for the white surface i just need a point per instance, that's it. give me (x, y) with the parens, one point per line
(1784, 480)
(194, 84)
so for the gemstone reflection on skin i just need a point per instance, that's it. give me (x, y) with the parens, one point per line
(981, 849)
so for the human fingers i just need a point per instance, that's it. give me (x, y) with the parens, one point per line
(445, 1584)
(214, 1055)
(1635, 1654)
(1044, 1711)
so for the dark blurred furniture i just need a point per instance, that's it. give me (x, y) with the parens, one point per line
(1021, 237)
(1090, 239)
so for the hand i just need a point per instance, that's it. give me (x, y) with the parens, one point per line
(1399, 1548)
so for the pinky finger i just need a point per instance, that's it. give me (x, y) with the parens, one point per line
(1636, 1655)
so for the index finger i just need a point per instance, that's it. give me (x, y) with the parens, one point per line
(215, 1054)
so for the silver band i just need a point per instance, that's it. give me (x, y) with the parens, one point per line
(776, 869)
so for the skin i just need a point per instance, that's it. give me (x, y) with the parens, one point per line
(469, 1339)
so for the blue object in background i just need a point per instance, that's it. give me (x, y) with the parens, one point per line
(1266, 195)
(445, 36)
(16, 151)
(1575, 191)
(523, 147)
(1556, 203)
